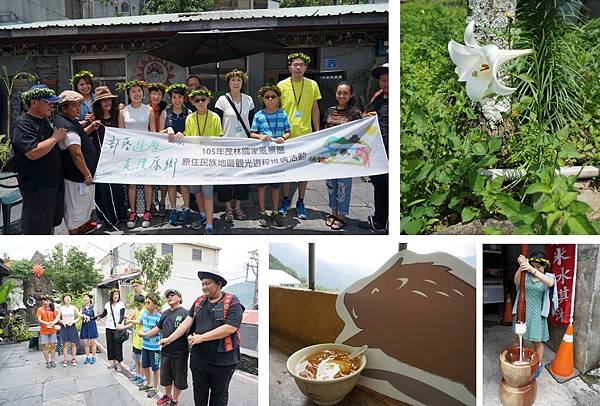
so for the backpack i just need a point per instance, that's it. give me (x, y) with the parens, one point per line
(227, 341)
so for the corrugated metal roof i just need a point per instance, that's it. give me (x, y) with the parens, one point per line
(324, 11)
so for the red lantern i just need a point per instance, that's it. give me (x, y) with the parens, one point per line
(38, 270)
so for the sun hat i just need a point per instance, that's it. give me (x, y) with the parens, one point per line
(103, 92)
(377, 71)
(70, 96)
(215, 276)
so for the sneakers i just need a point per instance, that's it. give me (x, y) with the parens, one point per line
(197, 225)
(164, 400)
(131, 220)
(285, 205)
(209, 230)
(184, 218)
(152, 393)
(371, 224)
(539, 370)
(146, 219)
(146, 388)
(87, 360)
(88, 227)
(301, 210)
(263, 219)
(48, 364)
(92, 360)
(173, 217)
(174, 403)
(277, 219)
(139, 381)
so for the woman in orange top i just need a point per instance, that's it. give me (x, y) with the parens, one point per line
(46, 316)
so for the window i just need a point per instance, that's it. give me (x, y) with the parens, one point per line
(107, 71)
(166, 249)
(196, 255)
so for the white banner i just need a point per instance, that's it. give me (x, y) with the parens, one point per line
(138, 157)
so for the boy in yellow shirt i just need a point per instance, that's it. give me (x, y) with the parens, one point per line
(299, 97)
(134, 321)
(203, 123)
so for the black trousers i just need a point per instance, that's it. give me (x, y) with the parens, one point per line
(210, 382)
(381, 191)
(42, 210)
(113, 348)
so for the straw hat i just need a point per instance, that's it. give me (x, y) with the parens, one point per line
(103, 92)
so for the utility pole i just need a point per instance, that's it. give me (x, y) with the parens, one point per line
(252, 265)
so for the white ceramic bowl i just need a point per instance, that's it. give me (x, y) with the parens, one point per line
(324, 392)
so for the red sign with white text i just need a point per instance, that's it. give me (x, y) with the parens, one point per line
(562, 265)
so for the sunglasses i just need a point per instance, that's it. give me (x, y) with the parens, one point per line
(200, 99)
(271, 97)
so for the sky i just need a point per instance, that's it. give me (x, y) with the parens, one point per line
(232, 257)
(362, 253)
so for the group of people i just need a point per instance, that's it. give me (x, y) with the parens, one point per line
(58, 330)
(56, 162)
(162, 340)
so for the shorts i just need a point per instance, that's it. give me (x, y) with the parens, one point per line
(207, 190)
(273, 185)
(47, 339)
(136, 354)
(151, 359)
(42, 209)
(174, 372)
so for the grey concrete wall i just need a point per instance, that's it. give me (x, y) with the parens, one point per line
(28, 12)
(587, 308)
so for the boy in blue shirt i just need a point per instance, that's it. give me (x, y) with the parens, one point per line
(150, 344)
(270, 124)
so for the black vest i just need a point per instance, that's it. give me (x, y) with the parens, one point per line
(90, 155)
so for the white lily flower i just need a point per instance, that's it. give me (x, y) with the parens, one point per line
(479, 66)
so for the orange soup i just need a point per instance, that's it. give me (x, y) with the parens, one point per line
(326, 365)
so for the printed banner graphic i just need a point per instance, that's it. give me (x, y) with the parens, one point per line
(562, 265)
(349, 150)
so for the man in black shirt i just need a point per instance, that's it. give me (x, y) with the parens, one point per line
(214, 321)
(173, 356)
(379, 104)
(38, 162)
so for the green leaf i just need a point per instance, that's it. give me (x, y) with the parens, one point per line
(538, 188)
(494, 144)
(4, 291)
(579, 224)
(480, 148)
(468, 214)
(438, 198)
(411, 226)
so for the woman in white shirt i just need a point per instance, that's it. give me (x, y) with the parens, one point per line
(236, 110)
(115, 310)
(137, 116)
(69, 316)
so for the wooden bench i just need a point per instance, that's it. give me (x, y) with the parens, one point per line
(8, 200)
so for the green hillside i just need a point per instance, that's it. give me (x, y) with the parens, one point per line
(275, 263)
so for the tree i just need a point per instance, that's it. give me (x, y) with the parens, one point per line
(177, 6)
(153, 270)
(72, 273)
(310, 3)
(21, 268)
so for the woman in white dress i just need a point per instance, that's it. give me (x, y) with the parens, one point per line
(236, 110)
(137, 116)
